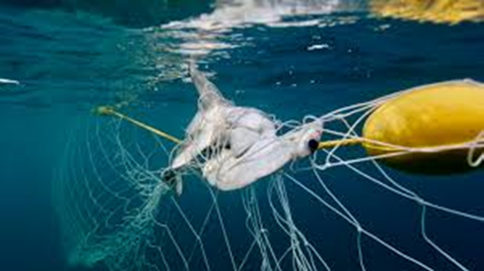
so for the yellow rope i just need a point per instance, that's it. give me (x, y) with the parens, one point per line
(109, 111)
(342, 142)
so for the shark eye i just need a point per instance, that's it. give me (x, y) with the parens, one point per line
(313, 145)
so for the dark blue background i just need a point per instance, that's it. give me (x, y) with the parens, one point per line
(69, 63)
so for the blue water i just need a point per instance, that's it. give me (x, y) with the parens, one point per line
(70, 62)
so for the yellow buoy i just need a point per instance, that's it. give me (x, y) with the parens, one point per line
(430, 120)
(438, 11)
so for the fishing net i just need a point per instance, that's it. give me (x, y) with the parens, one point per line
(298, 209)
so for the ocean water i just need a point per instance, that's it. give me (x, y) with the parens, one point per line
(290, 62)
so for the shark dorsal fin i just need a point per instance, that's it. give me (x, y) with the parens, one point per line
(209, 95)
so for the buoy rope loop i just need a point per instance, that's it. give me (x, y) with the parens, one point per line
(473, 147)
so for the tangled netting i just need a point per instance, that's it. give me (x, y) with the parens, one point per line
(337, 209)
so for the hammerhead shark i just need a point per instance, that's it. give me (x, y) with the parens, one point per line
(234, 146)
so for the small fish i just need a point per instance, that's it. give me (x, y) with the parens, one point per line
(9, 81)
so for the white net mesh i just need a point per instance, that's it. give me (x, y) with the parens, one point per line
(335, 210)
